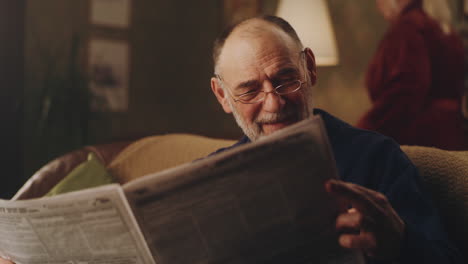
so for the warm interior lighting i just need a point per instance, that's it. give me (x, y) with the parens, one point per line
(311, 20)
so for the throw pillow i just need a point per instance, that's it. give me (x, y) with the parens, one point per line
(88, 174)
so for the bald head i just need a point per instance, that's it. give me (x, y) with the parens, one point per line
(255, 28)
(255, 58)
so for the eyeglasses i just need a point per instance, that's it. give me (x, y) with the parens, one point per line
(257, 96)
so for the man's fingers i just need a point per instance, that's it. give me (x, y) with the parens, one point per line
(372, 225)
(353, 221)
(4, 261)
(362, 241)
(358, 196)
(374, 196)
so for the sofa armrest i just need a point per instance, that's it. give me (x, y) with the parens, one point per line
(54, 171)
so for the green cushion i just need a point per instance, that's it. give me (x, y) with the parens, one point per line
(90, 173)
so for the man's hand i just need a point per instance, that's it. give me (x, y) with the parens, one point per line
(4, 261)
(371, 225)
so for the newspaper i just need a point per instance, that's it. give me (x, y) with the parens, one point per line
(92, 226)
(263, 202)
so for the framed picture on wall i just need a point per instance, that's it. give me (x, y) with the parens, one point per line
(111, 13)
(108, 67)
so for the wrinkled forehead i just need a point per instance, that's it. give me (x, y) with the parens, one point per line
(253, 48)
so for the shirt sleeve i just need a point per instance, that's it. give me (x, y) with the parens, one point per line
(425, 239)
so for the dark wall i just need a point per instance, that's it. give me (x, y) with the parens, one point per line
(11, 92)
(170, 69)
(358, 28)
(170, 72)
(54, 115)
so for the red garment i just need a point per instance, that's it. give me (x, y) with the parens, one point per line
(415, 82)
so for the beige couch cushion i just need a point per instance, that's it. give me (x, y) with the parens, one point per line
(445, 176)
(156, 153)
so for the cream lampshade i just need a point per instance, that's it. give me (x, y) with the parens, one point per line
(311, 20)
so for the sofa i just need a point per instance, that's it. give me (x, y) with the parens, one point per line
(444, 173)
(124, 160)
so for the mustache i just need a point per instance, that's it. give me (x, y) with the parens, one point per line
(287, 113)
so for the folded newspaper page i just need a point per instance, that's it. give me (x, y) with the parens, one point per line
(92, 226)
(264, 202)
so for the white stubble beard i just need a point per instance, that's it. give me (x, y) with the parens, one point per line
(254, 131)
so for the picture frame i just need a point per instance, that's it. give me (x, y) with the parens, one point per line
(108, 71)
(110, 13)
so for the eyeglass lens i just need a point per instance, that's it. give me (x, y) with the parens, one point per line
(258, 96)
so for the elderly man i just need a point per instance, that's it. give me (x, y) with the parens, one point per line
(263, 76)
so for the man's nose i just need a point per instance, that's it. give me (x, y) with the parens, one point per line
(273, 102)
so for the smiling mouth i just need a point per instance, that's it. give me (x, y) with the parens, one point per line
(270, 127)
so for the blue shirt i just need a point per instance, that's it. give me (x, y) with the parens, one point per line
(377, 162)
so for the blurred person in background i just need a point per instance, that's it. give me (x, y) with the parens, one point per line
(415, 79)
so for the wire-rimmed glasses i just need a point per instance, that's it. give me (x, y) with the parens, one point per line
(257, 96)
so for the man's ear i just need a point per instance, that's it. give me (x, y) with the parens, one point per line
(220, 95)
(311, 66)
